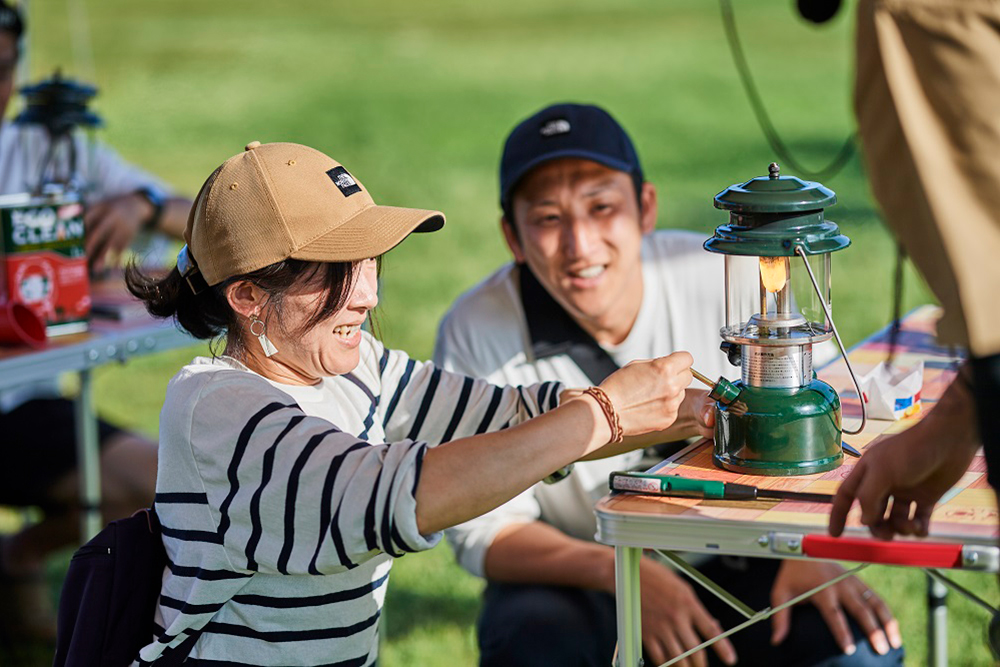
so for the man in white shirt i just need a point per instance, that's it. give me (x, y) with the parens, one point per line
(593, 287)
(39, 458)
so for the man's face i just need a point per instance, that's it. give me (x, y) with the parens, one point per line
(8, 67)
(579, 229)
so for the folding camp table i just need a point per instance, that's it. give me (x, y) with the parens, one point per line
(107, 341)
(963, 530)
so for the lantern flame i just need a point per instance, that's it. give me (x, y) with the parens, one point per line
(774, 273)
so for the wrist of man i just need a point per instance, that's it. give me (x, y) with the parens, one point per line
(157, 202)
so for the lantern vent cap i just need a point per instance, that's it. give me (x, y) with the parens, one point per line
(775, 193)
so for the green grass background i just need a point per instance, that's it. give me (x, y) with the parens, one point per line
(415, 97)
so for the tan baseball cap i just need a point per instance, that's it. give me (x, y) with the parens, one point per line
(278, 201)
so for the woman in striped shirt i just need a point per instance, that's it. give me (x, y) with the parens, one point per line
(296, 464)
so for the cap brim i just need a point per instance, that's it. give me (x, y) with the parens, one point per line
(372, 232)
(599, 158)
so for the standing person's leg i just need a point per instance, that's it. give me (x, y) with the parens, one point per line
(926, 95)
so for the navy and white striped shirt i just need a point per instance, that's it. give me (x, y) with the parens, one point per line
(282, 506)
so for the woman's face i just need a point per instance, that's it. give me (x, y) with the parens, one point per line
(328, 348)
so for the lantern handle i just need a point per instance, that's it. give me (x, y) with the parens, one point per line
(800, 251)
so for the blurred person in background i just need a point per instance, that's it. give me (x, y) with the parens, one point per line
(593, 287)
(39, 453)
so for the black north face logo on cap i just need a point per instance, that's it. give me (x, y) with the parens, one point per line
(344, 181)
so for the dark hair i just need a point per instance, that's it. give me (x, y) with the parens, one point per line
(208, 315)
(11, 20)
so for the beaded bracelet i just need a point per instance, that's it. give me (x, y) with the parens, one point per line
(617, 433)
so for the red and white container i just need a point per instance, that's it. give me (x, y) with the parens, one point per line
(43, 263)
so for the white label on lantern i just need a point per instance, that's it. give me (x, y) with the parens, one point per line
(777, 366)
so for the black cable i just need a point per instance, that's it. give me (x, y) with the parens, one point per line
(897, 303)
(777, 145)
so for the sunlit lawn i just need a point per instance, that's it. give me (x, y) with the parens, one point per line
(415, 98)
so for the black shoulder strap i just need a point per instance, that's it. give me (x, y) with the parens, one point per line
(554, 332)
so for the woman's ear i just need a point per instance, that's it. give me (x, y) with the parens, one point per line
(245, 298)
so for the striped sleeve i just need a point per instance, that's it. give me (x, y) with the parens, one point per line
(293, 494)
(421, 401)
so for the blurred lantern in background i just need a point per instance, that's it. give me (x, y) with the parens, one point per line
(59, 106)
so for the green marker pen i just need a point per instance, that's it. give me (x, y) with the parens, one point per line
(685, 487)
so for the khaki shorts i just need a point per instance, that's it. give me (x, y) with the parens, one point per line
(927, 99)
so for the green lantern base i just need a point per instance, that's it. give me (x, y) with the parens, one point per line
(783, 432)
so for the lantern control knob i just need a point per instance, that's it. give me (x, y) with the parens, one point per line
(773, 170)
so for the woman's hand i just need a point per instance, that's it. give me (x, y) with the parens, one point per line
(648, 394)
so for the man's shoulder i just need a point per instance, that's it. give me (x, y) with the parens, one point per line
(492, 308)
(498, 290)
(484, 329)
(679, 252)
(667, 243)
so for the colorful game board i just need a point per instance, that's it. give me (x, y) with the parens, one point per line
(967, 512)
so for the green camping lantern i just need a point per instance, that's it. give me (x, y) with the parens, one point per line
(777, 247)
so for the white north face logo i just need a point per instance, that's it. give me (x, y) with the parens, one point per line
(553, 127)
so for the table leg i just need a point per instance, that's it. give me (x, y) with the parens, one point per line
(629, 606)
(937, 623)
(88, 459)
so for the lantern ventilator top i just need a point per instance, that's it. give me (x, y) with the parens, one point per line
(60, 106)
(772, 220)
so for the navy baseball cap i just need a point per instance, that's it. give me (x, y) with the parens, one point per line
(11, 20)
(566, 130)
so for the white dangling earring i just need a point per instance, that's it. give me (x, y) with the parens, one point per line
(265, 343)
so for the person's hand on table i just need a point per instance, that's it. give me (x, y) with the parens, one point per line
(674, 620)
(850, 595)
(111, 225)
(912, 470)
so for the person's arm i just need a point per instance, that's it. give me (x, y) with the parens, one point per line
(288, 493)
(123, 202)
(466, 477)
(695, 418)
(112, 223)
(899, 480)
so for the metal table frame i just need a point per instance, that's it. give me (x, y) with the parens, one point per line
(632, 532)
(105, 343)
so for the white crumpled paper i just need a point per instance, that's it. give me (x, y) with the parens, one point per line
(892, 393)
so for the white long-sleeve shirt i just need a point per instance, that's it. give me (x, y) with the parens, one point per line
(282, 506)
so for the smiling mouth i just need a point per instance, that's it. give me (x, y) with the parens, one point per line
(346, 330)
(589, 272)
